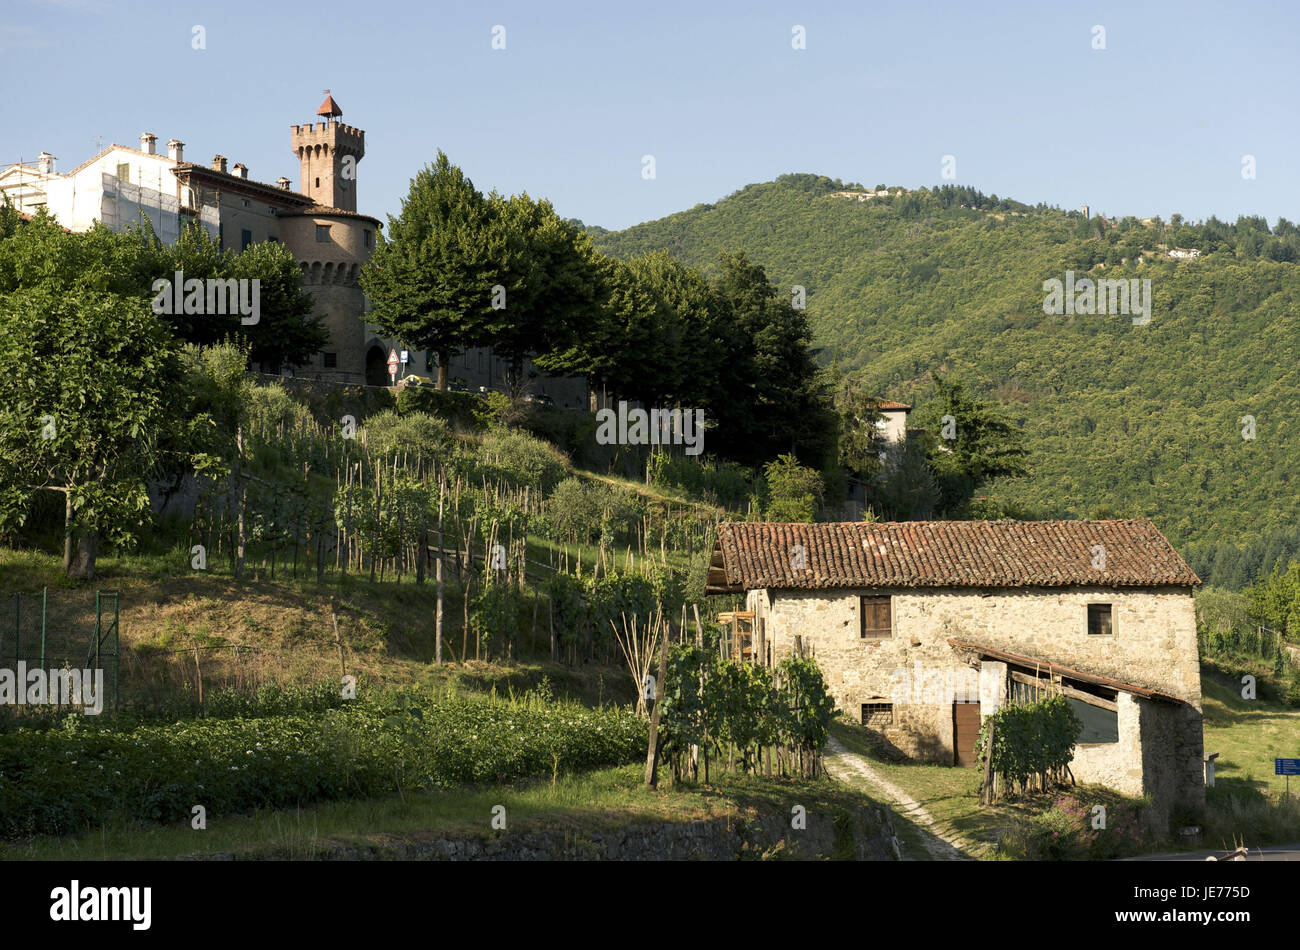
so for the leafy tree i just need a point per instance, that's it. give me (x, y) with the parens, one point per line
(702, 342)
(286, 331)
(86, 379)
(629, 344)
(430, 279)
(548, 271)
(1275, 600)
(968, 443)
(793, 490)
(780, 404)
(860, 443)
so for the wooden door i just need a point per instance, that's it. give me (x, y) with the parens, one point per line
(965, 730)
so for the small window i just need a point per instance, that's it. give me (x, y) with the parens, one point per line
(245, 202)
(878, 715)
(124, 171)
(331, 360)
(366, 236)
(317, 182)
(322, 233)
(245, 238)
(1099, 624)
(876, 618)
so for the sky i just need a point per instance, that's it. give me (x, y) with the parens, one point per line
(1158, 122)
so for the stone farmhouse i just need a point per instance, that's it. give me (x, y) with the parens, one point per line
(924, 628)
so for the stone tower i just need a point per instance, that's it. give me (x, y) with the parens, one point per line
(328, 155)
(331, 241)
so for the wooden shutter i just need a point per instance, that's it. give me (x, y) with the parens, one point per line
(876, 619)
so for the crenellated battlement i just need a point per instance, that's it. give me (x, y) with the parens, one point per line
(332, 135)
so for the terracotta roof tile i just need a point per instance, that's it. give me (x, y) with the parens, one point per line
(946, 554)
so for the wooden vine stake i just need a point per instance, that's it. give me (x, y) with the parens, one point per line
(987, 791)
(652, 755)
(638, 648)
(437, 567)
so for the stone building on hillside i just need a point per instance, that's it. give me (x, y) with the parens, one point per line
(924, 628)
(319, 224)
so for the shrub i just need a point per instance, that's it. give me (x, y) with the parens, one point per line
(1064, 831)
(1030, 740)
(419, 435)
(521, 459)
(457, 408)
(793, 490)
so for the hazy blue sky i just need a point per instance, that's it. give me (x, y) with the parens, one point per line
(1155, 123)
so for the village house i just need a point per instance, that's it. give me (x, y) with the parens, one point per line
(924, 628)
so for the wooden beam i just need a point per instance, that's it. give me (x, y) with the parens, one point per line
(1051, 686)
(1088, 698)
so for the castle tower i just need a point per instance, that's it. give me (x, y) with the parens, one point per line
(328, 154)
(331, 241)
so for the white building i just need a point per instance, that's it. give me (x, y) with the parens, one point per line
(115, 187)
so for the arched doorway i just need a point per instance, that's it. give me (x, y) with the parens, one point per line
(376, 367)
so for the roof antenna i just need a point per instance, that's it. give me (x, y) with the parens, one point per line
(99, 143)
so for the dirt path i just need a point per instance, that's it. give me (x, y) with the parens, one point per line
(849, 767)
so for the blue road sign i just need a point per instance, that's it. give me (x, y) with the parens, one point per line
(1286, 766)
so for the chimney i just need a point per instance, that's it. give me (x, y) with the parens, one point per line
(45, 163)
(147, 140)
(219, 163)
(241, 170)
(176, 151)
(282, 183)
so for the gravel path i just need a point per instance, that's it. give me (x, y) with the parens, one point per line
(849, 767)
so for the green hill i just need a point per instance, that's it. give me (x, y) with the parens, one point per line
(1131, 420)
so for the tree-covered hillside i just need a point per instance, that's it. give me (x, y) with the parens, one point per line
(1120, 418)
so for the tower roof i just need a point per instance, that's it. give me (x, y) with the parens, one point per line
(329, 107)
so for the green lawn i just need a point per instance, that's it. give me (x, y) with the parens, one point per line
(1248, 735)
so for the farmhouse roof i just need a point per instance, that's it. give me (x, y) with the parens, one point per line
(1121, 553)
(889, 405)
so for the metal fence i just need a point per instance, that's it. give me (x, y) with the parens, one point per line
(62, 630)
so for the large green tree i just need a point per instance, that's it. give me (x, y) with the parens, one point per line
(40, 253)
(430, 279)
(628, 343)
(548, 276)
(86, 381)
(779, 403)
(968, 443)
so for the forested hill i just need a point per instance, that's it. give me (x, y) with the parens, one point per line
(1132, 420)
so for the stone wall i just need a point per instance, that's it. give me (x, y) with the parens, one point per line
(1116, 765)
(1153, 643)
(864, 834)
